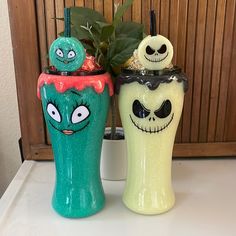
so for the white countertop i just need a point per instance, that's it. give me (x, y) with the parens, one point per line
(205, 205)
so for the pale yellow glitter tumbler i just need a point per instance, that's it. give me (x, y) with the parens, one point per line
(150, 119)
(150, 103)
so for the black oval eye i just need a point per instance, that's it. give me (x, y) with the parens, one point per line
(164, 110)
(139, 110)
(149, 50)
(162, 49)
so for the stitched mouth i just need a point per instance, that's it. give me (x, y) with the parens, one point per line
(69, 132)
(64, 61)
(152, 130)
(157, 60)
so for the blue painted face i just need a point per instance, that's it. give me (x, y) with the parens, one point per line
(67, 54)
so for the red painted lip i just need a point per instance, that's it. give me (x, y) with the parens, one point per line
(67, 132)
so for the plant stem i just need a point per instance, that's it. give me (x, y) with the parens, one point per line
(96, 41)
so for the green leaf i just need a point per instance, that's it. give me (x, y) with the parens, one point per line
(105, 30)
(82, 15)
(120, 12)
(86, 16)
(89, 49)
(78, 33)
(101, 24)
(121, 50)
(130, 30)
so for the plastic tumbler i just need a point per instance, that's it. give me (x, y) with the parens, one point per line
(75, 110)
(150, 106)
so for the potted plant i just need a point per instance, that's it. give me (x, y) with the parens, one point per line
(112, 44)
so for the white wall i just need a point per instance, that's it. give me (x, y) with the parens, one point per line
(9, 118)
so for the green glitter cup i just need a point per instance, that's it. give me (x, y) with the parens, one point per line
(75, 110)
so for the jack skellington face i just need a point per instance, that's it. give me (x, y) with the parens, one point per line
(155, 52)
(150, 121)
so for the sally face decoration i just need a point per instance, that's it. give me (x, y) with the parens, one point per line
(67, 54)
(67, 116)
(79, 115)
(155, 52)
(151, 121)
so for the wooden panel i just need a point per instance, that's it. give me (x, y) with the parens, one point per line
(216, 69)
(40, 6)
(164, 18)
(50, 21)
(198, 71)
(202, 33)
(190, 52)
(59, 5)
(44, 152)
(227, 50)
(128, 14)
(98, 6)
(205, 149)
(174, 9)
(181, 48)
(89, 3)
(230, 117)
(207, 68)
(27, 67)
(108, 10)
(69, 3)
(80, 3)
(136, 11)
(145, 15)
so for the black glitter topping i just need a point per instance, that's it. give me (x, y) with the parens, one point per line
(151, 78)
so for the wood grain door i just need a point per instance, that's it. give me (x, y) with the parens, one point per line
(203, 34)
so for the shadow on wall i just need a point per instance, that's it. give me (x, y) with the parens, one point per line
(8, 169)
(9, 116)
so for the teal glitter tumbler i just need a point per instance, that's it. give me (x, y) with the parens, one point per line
(75, 110)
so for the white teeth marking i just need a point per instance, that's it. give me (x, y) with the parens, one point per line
(155, 130)
(157, 59)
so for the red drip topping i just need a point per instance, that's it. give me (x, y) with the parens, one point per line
(63, 83)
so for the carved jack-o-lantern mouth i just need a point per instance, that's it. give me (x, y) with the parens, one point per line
(156, 60)
(152, 130)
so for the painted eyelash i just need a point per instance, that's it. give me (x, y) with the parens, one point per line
(72, 50)
(82, 103)
(53, 102)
